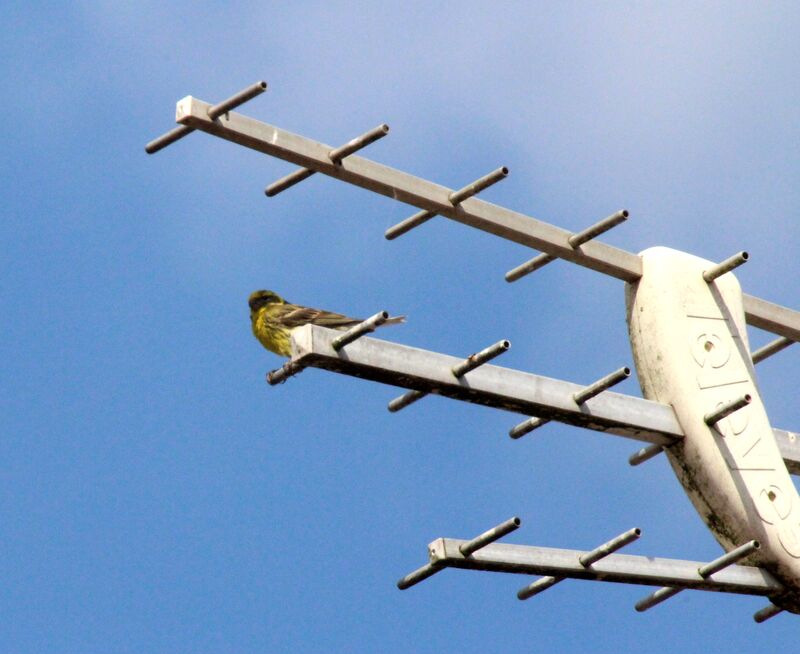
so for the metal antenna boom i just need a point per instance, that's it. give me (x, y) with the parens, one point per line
(432, 197)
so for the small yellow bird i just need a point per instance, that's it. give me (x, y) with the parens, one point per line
(273, 319)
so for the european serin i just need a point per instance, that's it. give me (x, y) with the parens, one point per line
(273, 320)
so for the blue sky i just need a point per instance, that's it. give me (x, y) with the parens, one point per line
(158, 496)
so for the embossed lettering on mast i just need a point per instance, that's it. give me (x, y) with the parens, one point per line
(714, 349)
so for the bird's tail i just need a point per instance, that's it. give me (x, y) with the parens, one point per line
(395, 320)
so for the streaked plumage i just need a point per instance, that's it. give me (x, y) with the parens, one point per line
(273, 319)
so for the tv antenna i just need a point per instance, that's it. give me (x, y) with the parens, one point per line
(687, 322)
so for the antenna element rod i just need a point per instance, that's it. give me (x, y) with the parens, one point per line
(726, 266)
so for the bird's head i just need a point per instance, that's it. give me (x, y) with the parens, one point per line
(260, 299)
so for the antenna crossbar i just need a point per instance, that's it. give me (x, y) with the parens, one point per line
(619, 568)
(412, 190)
(501, 388)
(488, 385)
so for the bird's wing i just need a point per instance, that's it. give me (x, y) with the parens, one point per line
(295, 316)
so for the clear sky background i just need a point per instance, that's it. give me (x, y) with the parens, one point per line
(157, 496)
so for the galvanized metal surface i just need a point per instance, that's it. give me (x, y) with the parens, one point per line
(773, 347)
(214, 112)
(356, 144)
(728, 559)
(335, 155)
(600, 227)
(771, 317)
(502, 388)
(532, 265)
(280, 375)
(726, 266)
(645, 454)
(661, 595)
(418, 575)
(575, 241)
(727, 409)
(405, 400)
(480, 358)
(586, 559)
(407, 188)
(489, 385)
(705, 571)
(538, 586)
(455, 198)
(601, 385)
(621, 568)
(459, 370)
(356, 332)
(408, 224)
(489, 536)
(788, 444)
(766, 613)
(527, 426)
(428, 196)
(608, 548)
